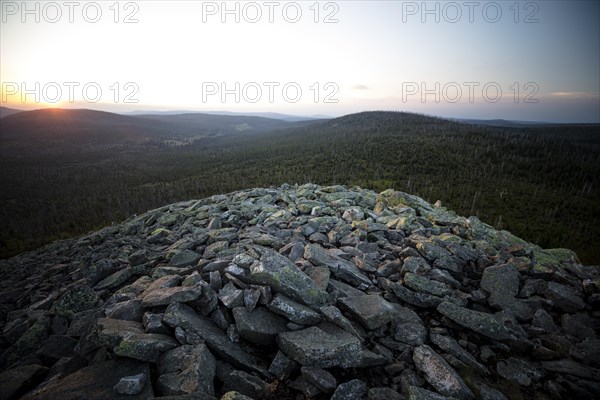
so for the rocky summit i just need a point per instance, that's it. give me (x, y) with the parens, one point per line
(299, 292)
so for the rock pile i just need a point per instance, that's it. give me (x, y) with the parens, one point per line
(299, 292)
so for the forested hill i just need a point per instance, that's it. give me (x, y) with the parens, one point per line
(541, 183)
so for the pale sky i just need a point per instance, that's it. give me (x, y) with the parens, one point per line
(338, 57)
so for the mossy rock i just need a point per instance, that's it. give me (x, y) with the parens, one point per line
(74, 301)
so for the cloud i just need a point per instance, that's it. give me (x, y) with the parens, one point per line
(360, 87)
(575, 95)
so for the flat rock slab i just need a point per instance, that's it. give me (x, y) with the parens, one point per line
(499, 326)
(161, 297)
(181, 315)
(440, 374)
(372, 311)
(96, 382)
(294, 311)
(128, 339)
(317, 348)
(260, 326)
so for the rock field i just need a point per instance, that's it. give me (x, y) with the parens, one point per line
(299, 292)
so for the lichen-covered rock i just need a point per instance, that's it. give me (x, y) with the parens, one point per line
(440, 374)
(316, 348)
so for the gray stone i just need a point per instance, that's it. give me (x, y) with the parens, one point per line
(321, 378)
(411, 333)
(130, 310)
(418, 299)
(451, 346)
(259, 326)
(153, 323)
(440, 374)
(178, 314)
(564, 297)
(502, 283)
(245, 384)
(186, 369)
(131, 385)
(340, 268)
(518, 371)
(128, 339)
(488, 393)
(543, 320)
(372, 311)
(161, 297)
(251, 297)
(352, 390)
(277, 271)
(425, 285)
(282, 366)
(294, 311)
(231, 296)
(314, 347)
(499, 326)
(335, 316)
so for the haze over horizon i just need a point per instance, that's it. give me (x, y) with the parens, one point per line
(449, 59)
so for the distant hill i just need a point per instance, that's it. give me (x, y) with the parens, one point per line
(283, 117)
(6, 111)
(99, 127)
(75, 126)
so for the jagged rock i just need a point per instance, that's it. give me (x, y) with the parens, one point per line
(340, 268)
(440, 374)
(259, 326)
(178, 314)
(282, 366)
(246, 384)
(231, 296)
(451, 346)
(502, 282)
(293, 310)
(317, 348)
(564, 297)
(153, 323)
(131, 385)
(130, 310)
(282, 276)
(319, 377)
(418, 299)
(351, 390)
(371, 310)
(518, 371)
(424, 285)
(128, 339)
(75, 300)
(186, 369)
(411, 333)
(184, 258)
(161, 297)
(499, 326)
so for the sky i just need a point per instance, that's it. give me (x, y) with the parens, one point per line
(517, 60)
